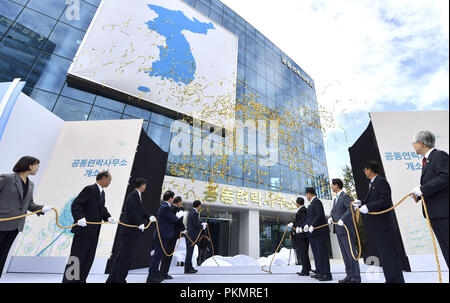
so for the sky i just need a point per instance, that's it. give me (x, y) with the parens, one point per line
(364, 56)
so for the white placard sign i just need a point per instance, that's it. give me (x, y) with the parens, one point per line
(83, 149)
(394, 132)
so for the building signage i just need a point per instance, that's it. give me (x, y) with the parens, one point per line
(296, 71)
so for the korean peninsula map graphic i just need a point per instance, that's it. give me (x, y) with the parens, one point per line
(176, 61)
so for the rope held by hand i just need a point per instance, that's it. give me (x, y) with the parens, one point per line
(355, 219)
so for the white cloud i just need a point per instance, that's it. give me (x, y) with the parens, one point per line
(362, 55)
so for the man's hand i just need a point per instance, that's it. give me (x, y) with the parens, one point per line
(298, 230)
(311, 229)
(179, 214)
(82, 222)
(330, 220)
(46, 208)
(204, 224)
(363, 209)
(306, 228)
(152, 219)
(141, 227)
(416, 192)
(341, 223)
(290, 225)
(112, 220)
(356, 204)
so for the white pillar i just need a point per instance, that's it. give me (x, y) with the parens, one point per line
(249, 233)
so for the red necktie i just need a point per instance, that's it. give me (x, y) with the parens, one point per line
(424, 162)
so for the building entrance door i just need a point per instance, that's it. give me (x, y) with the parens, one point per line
(220, 232)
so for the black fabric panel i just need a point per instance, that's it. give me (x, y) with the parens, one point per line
(363, 150)
(149, 163)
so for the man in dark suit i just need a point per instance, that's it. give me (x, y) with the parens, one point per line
(88, 206)
(16, 199)
(194, 226)
(319, 237)
(434, 187)
(341, 214)
(378, 199)
(300, 239)
(166, 223)
(179, 227)
(133, 214)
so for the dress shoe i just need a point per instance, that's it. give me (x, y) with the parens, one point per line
(345, 280)
(167, 277)
(303, 273)
(190, 271)
(327, 277)
(315, 276)
(155, 280)
(353, 281)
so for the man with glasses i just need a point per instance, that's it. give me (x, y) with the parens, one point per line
(434, 186)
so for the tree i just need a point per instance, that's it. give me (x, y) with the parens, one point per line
(349, 181)
(350, 188)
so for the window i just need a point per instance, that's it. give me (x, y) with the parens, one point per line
(137, 112)
(160, 135)
(51, 71)
(64, 40)
(52, 8)
(99, 113)
(78, 94)
(87, 12)
(45, 99)
(109, 103)
(71, 110)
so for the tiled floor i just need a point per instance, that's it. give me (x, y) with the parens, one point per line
(423, 271)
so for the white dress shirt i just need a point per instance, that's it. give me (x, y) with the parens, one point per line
(429, 152)
(99, 187)
(140, 197)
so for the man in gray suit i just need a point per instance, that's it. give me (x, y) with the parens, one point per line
(341, 213)
(16, 198)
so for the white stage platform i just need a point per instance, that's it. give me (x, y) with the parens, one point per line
(424, 271)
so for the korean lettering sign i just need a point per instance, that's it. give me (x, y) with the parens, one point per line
(413, 161)
(91, 167)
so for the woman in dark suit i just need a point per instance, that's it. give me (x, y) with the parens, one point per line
(16, 198)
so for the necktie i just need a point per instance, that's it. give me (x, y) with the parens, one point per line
(370, 185)
(103, 195)
(335, 199)
(424, 162)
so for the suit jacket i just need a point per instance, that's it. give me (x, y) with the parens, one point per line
(179, 225)
(300, 219)
(434, 184)
(341, 211)
(378, 199)
(194, 225)
(133, 212)
(316, 217)
(166, 222)
(89, 204)
(13, 203)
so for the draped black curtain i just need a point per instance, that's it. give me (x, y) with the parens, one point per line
(365, 149)
(149, 163)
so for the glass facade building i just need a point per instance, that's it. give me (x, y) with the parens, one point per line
(39, 39)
